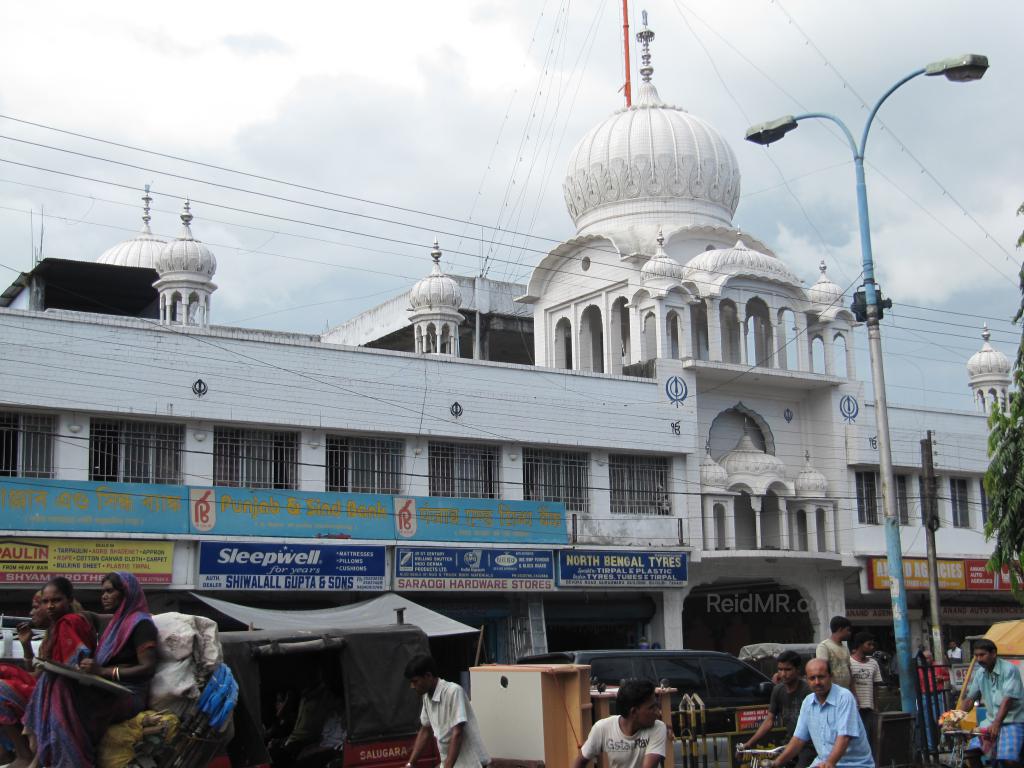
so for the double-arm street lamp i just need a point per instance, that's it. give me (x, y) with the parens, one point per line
(868, 306)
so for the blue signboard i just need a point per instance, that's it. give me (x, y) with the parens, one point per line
(231, 565)
(428, 518)
(70, 505)
(621, 568)
(485, 570)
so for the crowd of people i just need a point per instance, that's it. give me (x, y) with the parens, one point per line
(47, 717)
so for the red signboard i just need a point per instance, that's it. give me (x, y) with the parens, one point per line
(978, 577)
(750, 719)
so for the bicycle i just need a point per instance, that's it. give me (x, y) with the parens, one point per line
(760, 758)
(958, 740)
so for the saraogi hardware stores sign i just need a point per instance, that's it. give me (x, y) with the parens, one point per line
(227, 565)
(486, 570)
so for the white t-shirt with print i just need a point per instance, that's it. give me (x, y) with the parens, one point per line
(624, 751)
(865, 674)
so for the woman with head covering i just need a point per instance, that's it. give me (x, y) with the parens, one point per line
(17, 684)
(52, 715)
(126, 652)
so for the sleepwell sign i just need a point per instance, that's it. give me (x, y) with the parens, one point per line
(233, 565)
(621, 568)
(485, 570)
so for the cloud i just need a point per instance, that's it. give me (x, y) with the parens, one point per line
(256, 45)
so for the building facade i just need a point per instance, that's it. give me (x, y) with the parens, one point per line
(661, 438)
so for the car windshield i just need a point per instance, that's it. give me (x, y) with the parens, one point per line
(732, 681)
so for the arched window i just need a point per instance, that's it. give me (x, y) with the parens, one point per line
(672, 321)
(800, 542)
(591, 340)
(699, 330)
(446, 340)
(175, 307)
(788, 357)
(619, 328)
(839, 356)
(746, 527)
(650, 337)
(563, 344)
(431, 338)
(759, 334)
(730, 325)
(817, 355)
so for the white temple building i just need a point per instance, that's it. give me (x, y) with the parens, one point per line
(663, 443)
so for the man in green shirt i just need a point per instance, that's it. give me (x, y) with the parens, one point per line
(999, 685)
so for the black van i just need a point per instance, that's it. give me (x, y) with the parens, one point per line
(720, 679)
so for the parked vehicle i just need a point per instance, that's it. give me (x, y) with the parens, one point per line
(723, 682)
(364, 668)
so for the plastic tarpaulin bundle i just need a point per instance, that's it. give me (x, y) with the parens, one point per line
(120, 744)
(189, 650)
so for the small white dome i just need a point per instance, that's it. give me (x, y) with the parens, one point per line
(988, 361)
(810, 482)
(186, 254)
(651, 159)
(712, 474)
(719, 264)
(661, 266)
(747, 459)
(139, 251)
(825, 293)
(436, 290)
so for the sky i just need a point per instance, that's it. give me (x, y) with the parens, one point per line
(362, 132)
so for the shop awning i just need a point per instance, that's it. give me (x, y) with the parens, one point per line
(378, 612)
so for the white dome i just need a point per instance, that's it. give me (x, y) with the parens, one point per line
(712, 474)
(436, 290)
(988, 361)
(747, 459)
(717, 265)
(186, 254)
(661, 266)
(825, 293)
(141, 250)
(810, 482)
(651, 160)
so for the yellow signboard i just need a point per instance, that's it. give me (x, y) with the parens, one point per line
(952, 573)
(84, 561)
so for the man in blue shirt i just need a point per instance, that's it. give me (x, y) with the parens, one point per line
(998, 683)
(829, 718)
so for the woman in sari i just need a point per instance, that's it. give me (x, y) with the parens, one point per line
(126, 653)
(52, 715)
(17, 684)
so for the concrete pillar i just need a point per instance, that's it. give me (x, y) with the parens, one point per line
(660, 330)
(612, 350)
(781, 350)
(829, 344)
(417, 468)
(600, 482)
(577, 358)
(636, 334)
(312, 461)
(785, 517)
(714, 329)
(71, 447)
(667, 625)
(851, 356)
(758, 534)
(686, 333)
(741, 318)
(708, 510)
(511, 472)
(730, 523)
(812, 529)
(197, 460)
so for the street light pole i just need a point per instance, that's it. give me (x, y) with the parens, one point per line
(959, 69)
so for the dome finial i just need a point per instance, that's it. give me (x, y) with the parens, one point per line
(186, 216)
(644, 37)
(146, 200)
(435, 254)
(985, 333)
(822, 266)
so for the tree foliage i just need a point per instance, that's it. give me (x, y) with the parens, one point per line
(1004, 480)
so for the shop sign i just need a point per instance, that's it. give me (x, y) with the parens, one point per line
(230, 565)
(483, 570)
(956, 575)
(310, 514)
(950, 612)
(621, 568)
(751, 719)
(71, 505)
(84, 561)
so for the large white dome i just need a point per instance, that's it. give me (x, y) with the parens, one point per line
(139, 251)
(186, 254)
(654, 162)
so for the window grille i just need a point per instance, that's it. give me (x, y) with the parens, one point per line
(557, 476)
(26, 444)
(255, 458)
(958, 497)
(902, 502)
(639, 485)
(135, 451)
(460, 470)
(867, 498)
(364, 464)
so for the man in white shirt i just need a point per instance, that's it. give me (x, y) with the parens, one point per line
(447, 715)
(634, 738)
(954, 652)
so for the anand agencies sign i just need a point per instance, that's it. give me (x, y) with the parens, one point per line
(229, 565)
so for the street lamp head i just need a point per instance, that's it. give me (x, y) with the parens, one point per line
(959, 69)
(767, 133)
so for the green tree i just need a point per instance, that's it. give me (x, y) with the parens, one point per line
(1004, 480)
